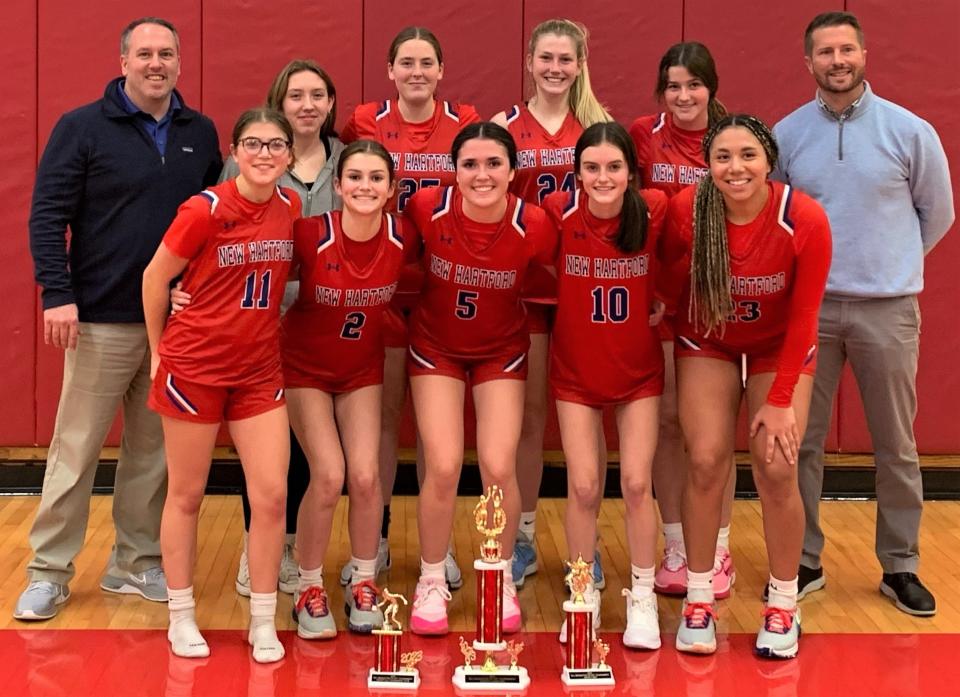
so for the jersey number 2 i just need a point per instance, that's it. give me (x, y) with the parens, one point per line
(610, 305)
(253, 300)
(353, 325)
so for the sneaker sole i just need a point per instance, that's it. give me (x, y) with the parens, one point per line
(890, 593)
(703, 649)
(637, 644)
(325, 634)
(430, 631)
(30, 616)
(130, 589)
(455, 584)
(787, 653)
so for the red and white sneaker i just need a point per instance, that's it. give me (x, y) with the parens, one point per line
(671, 576)
(724, 575)
(512, 619)
(429, 614)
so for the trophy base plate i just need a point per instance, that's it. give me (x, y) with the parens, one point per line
(587, 676)
(503, 679)
(389, 680)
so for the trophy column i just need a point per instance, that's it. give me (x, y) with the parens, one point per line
(580, 668)
(393, 670)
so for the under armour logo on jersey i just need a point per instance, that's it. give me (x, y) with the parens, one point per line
(393, 134)
(578, 235)
(526, 134)
(446, 240)
(229, 224)
(333, 267)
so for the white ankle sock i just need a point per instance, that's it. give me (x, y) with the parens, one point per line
(184, 635)
(642, 580)
(309, 577)
(699, 586)
(432, 572)
(673, 532)
(782, 594)
(528, 524)
(363, 569)
(263, 631)
(723, 538)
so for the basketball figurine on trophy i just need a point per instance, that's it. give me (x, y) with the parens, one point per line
(388, 674)
(580, 668)
(490, 568)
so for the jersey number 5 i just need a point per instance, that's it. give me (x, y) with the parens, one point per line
(353, 325)
(466, 304)
(253, 300)
(610, 304)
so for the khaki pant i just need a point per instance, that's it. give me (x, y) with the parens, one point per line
(109, 368)
(881, 339)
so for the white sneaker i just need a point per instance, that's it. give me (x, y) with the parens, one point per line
(243, 575)
(289, 571)
(595, 599)
(643, 623)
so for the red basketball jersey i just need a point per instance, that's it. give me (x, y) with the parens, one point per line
(240, 254)
(420, 151)
(335, 328)
(470, 303)
(603, 347)
(544, 161)
(778, 271)
(670, 158)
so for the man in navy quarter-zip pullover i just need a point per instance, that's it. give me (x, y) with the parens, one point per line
(881, 174)
(114, 172)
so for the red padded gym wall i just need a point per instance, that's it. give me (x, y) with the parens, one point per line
(78, 52)
(244, 49)
(913, 55)
(18, 112)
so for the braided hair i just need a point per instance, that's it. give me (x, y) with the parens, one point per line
(710, 298)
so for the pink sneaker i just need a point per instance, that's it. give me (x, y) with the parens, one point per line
(671, 577)
(511, 609)
(429, 614)
(724, 574)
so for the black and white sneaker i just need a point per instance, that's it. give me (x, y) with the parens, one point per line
(909, 594)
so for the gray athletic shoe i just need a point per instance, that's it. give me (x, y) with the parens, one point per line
(289, 571)
(40, 600)
(150, 584)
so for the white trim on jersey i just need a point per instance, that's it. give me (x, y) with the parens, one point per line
(392, 233)
(283, 196)
(448, 110)
(515, 364)
(688, 343)
(661, 122)
(383, 111)
(446, 200)
(423, 361)
(513, 114)
(572, 205)
(213, 198)
(517, 219)
(328, 240)
(783, 214)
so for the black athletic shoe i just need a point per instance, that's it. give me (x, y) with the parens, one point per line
(908, 594)
(808, 581)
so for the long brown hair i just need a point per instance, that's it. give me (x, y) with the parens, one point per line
(696, 58)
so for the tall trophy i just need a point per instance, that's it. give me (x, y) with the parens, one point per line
(490, 567)
(580, 669)
(393, 670)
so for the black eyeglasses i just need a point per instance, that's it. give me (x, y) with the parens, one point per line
(254, 146)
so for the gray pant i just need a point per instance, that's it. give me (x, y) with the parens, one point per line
(881, 339)
(110, 367)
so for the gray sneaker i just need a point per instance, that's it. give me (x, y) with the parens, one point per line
(150, 584)
(361, 607)
(289, 571)
(40, 599)
(383, 563)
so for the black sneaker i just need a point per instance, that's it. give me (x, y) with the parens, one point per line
(908, 594)
(808, 581)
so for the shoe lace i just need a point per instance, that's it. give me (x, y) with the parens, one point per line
(426, 590)
(698, 615)
(719, 559)
(45, 587)
(314, 599)
(777, 620)
(365, 595)
(154, 575)
(673, 559)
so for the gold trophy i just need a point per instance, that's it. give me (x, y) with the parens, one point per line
(393, 670)
(579, 668)
(489, 639)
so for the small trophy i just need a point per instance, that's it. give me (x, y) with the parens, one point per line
(490, 567)
(580, 668)
(393, 670)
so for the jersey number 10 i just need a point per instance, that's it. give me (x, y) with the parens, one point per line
(610, 304)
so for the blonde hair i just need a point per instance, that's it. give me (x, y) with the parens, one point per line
(583, 102)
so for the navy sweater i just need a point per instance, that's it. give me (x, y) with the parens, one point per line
(102, 175)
